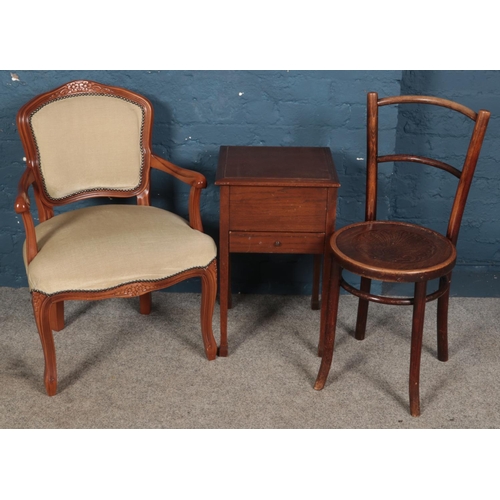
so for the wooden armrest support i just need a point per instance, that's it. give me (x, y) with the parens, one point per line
(22, 203)
(196, 180)
(22, 200)
(22, 207)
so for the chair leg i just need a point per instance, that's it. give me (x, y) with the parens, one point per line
(325, 290)
(316, 280)
(57, 316)
(331, 324)
(416, 346)
(362, 310)
(42, 307)
(145, 303)
(442, 319)
(208, 296)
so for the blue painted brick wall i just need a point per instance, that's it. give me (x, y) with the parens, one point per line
(197, 111)
(446, 134)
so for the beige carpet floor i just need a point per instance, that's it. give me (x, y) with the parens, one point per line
(119, 369)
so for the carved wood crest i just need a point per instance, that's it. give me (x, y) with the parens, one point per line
(79, 87)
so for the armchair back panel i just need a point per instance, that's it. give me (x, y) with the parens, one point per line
(86, 141)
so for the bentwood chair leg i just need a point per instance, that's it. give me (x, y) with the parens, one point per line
(325, 291)
(416, 346)
(442, 319)
(362, 310)
(41, 308)
(331, 324)
(316, 280)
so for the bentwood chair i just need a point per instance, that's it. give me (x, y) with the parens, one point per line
(86, 140)
(401, 252)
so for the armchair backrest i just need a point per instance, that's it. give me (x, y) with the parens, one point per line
(464, 174)
(85, 139)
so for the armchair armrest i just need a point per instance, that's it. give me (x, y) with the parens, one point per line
(196, 180)
(22, 207)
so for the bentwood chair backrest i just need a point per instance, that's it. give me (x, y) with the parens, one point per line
(464, 174)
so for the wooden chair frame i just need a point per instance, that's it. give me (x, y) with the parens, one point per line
(49, 309)
(443, 271)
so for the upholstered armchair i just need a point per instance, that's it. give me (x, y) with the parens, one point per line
(86, 140)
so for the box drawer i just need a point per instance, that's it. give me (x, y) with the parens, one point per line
(277, 209)
(276, 242)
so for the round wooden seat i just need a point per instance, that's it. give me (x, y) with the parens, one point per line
(393, 251)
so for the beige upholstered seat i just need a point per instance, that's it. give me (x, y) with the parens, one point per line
(89, 140)
(101, 247)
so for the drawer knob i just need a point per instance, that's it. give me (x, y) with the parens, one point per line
(277, 243)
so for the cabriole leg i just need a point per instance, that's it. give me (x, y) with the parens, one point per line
(57, 316)
(41, 307)
(208, 296)
(145, 303)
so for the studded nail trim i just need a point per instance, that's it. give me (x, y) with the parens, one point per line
(135, 288)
